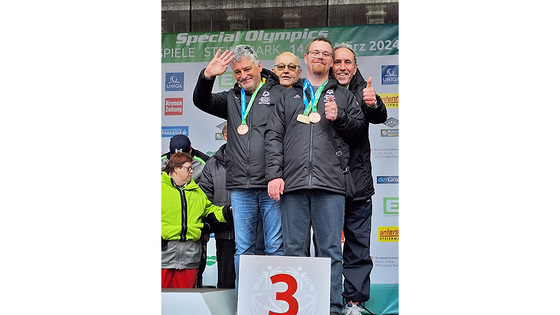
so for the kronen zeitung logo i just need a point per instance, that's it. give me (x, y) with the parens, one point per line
(250, 36)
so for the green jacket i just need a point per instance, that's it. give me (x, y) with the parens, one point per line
(182, 209)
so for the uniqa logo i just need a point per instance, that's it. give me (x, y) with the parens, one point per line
(389, 74)
(174, 81)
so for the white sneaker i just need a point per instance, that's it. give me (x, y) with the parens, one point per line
(353, 309)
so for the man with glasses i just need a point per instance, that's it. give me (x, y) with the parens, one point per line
(247, 108)
(357, 263)
(286, 67)
(302, 164)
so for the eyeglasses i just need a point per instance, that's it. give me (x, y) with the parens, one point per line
(189, 168)
(317, 54)
(291, 67)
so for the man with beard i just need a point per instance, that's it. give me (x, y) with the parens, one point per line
(302, 165)
(247, 108)
(356, 257)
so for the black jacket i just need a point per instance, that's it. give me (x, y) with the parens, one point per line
(213, 183)
(302, 154)
(245, 161)
(360, 152)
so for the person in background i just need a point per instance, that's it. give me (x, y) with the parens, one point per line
(182, 143)
(247, 108)
(183, 205)
(286, 67)
(303, 168)
(213, 184)
(357, 263)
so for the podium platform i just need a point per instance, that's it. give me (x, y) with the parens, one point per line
(200, 301)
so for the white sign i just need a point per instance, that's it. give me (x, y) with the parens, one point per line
(281, 285)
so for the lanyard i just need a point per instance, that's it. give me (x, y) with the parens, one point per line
(314, 96)
(245, 110)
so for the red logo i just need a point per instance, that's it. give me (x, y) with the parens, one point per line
(173, 106)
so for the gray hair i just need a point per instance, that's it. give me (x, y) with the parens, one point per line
(349, 47)
(245, 51)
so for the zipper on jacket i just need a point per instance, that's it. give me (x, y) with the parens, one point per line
(310, 164)
(183, 236)
(247, 168)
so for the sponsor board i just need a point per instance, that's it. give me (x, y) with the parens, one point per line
(389, 132)
(387, 179)
(391, 205)
(173, 106)
(170, 131)
(391, 100)
(174, 81)
(390, 75)
(387, 233)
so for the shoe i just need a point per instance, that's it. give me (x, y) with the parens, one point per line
(353, 309)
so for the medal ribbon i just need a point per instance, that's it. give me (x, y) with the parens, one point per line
(314, 96)
(245, 109)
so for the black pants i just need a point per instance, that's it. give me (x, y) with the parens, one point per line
(225, 250)
(356, 259)
(202, 265)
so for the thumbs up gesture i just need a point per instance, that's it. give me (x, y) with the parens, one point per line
(369, 94)
(331, 110)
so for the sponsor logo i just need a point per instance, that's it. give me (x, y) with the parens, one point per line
(174, 81)
(386, 261)
(170, 131)
(173, 106)
(391, 205)
(211, 260)
(389, 153)
(387, 233)
(387, 179)
(389, 132)
(391, 122)
(390, 100)
(220, 135)
(389, 75)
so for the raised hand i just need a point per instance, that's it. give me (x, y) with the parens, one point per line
(369, 94)
(218, 65)
(331, 110)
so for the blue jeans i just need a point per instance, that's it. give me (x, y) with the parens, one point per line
(246, 205)
(324, 212)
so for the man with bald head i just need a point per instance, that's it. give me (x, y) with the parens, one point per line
(286, 67)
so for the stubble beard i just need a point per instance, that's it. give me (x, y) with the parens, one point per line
(318, 68)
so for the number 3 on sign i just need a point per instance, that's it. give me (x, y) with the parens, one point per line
(283, 285)
(288, 295)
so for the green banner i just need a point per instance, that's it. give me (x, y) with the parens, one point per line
(367, 40)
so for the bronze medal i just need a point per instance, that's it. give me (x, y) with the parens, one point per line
(303, 119)
(314, 117)
(242, 129)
